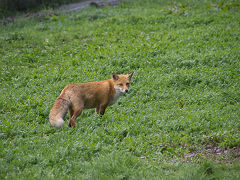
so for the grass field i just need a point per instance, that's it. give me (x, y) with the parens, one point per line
(183, 102)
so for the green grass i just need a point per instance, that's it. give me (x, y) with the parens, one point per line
(179, 50)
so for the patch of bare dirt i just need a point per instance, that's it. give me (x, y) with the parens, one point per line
(67, 8)
(96, 3)
(215, 153)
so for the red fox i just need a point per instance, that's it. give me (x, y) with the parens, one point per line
(78, 96)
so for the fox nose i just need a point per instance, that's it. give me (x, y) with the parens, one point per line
(126, 90)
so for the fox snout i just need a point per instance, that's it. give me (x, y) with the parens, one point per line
(124, 90)
(121, 90)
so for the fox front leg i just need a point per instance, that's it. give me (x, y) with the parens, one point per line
(102, 109)
(97, 110)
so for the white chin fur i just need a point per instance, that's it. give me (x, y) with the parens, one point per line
(119, 90)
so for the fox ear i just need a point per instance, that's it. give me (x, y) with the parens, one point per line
(115, 76)
(130, 75)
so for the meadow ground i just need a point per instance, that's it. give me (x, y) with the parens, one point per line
(180, 119)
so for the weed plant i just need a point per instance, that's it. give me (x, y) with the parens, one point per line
(184, 95)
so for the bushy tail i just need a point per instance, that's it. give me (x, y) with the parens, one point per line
(58, 112)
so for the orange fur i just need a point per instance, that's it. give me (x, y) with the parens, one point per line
(78, 96)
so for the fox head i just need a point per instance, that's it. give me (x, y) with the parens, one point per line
(122, 82)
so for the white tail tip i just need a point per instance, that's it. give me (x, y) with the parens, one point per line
(57, 123)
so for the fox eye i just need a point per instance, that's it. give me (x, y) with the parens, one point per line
(127, 84)
(120, 84)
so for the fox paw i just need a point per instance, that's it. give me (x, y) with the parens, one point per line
(71, 124)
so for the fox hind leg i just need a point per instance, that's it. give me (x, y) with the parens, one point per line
(70, 112)
(76, 112)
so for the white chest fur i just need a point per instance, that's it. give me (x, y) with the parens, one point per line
(117, 95)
